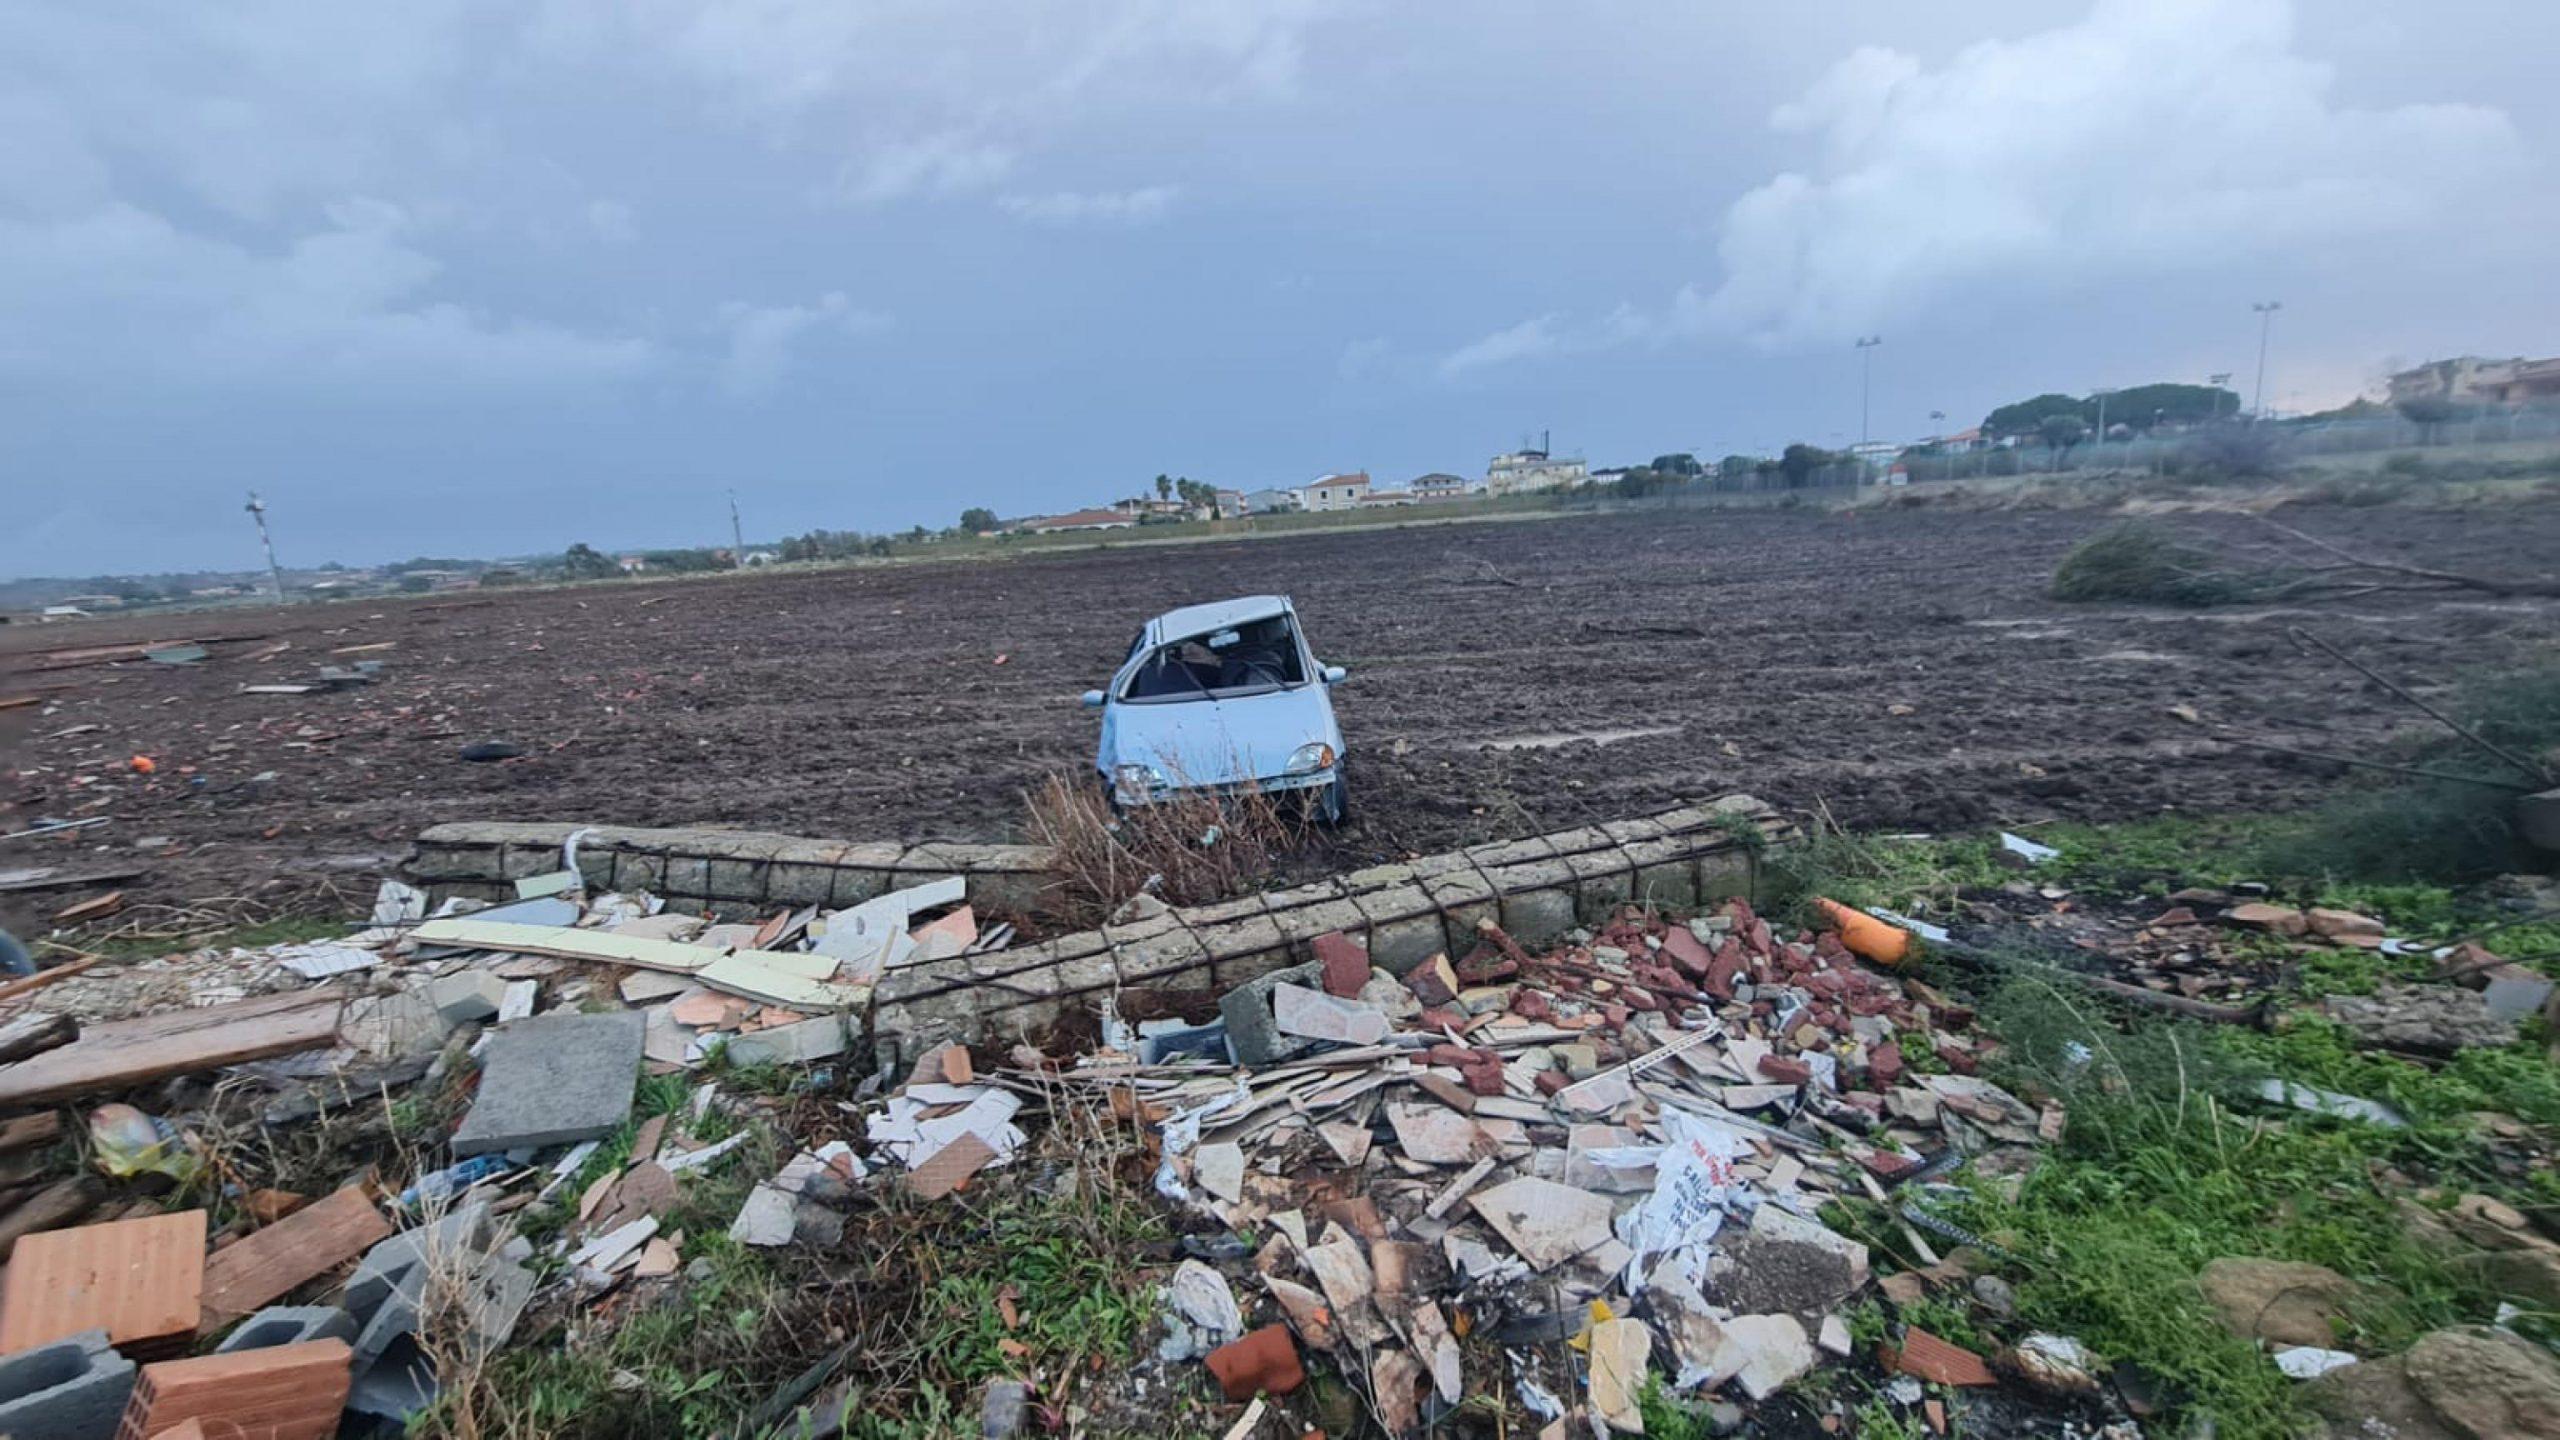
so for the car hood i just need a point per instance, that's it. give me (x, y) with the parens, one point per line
(1221, 742)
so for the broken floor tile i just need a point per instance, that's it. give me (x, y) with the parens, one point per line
(1545, 1222)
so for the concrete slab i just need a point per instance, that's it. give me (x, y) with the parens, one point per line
(553, 1079)
(1247, 1012)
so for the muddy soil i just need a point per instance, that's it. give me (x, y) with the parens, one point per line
(1904, 666)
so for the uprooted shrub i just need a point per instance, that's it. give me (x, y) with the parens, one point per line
(2140, 560)
(1187, 850)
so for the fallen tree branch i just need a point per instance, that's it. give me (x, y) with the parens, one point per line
(2301, 636)
(2442, 577)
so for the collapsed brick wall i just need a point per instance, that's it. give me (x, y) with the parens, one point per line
(1535, 888)
(693, 868)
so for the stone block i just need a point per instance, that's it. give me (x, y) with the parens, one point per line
(636, 871)
(554, 1079)
(1672, 887)
(1536, 917)
(1598, 897)
(1400, 946)
(1726, 875)
(800, 884)
(855, 884)
(689, 875)
(72, 1389)
(737, 879)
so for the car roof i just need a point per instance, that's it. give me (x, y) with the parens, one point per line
(1215, 615)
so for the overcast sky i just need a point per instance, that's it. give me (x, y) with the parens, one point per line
(445, 277)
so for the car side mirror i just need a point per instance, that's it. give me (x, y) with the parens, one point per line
(1335, 674)
(1092, 699)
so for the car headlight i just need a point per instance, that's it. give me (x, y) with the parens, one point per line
(1138, 779)
(1313, 756)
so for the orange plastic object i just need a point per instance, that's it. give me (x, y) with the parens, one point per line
(1867, 937)
(142, 764)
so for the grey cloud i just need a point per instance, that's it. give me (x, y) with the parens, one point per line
(762, 338)
(1143, 206)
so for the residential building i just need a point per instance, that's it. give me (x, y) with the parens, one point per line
(1082, 520)
(1963, 442)
(629, 565)
(1439, 485)
(1523, 471)
(1272, 502)
(1231, 505)
(2471, 380)
(1387, 499)
(1335, 492)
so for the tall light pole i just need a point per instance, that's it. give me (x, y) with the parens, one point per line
(1938, 437)
(2266, 321)
(2102, 393)
(737, 536)
(1866, 380)
(258, 511)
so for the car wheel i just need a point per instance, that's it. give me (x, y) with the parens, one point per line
(1333, 803)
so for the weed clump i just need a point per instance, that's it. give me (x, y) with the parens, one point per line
(1191, 849)
(2141, 561)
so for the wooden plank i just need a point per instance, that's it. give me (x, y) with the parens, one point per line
(51, 1208)
(49, 877)
(35, 1032)
(121, 1054)
(270, 1263)
(26, 1132)
(138, 1280)
(29, 984)
(97, 908)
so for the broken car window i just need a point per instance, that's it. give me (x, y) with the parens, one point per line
(1234, 660)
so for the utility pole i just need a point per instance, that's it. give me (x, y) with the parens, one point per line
(2102, 393)
(1946, 457)
(2266, 321)
(737, 536)
(258, 512)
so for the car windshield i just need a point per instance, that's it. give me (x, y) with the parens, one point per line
(1232, 660)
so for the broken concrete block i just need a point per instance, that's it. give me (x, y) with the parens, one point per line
(288, 1325)
(802, 1042)
(390, 1027)
(1314, 1015)
(1250, 1024)
(554, 1079)
(74, 1388)
(1763, 1352)
(467, 995)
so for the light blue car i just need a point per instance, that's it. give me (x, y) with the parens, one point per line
(1222, 698)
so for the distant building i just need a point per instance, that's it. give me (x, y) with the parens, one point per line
(1141, 505)
(761, 557)
(2471, 380)
(1082, 520)
(1335, 492)
(629, 564)
(1524, 471)
(1375, 499)
(1272, 502)
(1963, 442)
(1439, 486)
(1231, 505)
(95, 602)
(1876, 452)
(62, 612)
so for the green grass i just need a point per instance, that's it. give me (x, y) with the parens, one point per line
(2166, 1166)
(288, 930)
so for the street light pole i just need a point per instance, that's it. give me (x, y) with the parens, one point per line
(1866, 393)
(2266, 321)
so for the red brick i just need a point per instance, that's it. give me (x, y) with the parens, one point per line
(1684, 950)
(1345, 962)
(1264, 1361)
(1785, 1069)
(1551, 1081)
(1940, 1362)
(1884, 1062)
(140, 1280)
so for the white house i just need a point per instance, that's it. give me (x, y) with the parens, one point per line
(1439, 486)
(1526, 470)
(1335, 492)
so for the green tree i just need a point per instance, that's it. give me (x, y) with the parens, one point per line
(2027, 417)
(2062, 432)
(977, 520)
(584, 562)
(2430, 413)
(1164, 487)
(1681, 463)
(1801, 461)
